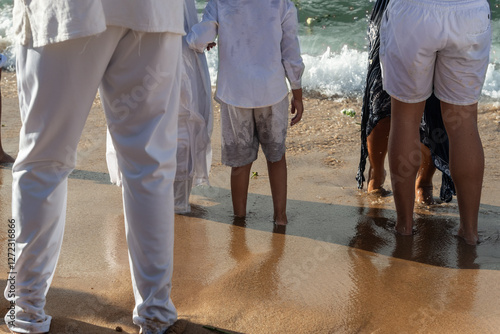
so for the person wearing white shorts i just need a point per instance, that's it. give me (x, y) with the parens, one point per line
(442, 47)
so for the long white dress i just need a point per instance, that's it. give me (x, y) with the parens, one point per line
(194, 151)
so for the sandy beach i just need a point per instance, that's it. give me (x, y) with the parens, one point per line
(337, 267)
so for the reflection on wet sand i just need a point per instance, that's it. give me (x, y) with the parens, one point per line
(114, 241)
(418, 300)
(381, 282)
(261, 282)
(433, 242)
(370, 226)
(264, 272)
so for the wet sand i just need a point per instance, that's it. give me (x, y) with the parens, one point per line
(336, 268)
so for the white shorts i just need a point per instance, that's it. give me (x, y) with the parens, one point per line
(440, 45)
(243, 129)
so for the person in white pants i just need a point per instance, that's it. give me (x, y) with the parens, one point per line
(131, 52)
(194, 150)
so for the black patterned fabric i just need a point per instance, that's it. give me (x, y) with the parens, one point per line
(377, 105)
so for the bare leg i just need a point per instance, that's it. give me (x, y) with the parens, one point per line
(377, 150)
(423, 186)
(4, 157)
(278, 180)
(404, 159)
(466, 164)
(240, 178)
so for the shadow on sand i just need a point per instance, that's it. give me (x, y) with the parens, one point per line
(366, 227)
(70, 305)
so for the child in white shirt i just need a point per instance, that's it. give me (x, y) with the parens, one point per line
(258, 49)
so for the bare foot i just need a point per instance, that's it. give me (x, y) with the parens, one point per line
(6, 159)
(380, 192)
(239, 221)
(280, 219)
(376, 181)
(404, 229)
(280, 229)
(469, 238)
(423, 195)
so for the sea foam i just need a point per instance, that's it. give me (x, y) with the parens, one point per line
(330, 73)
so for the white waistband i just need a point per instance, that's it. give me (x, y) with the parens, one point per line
(462, 4)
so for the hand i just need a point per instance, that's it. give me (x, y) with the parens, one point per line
(297, 106)
(211, 45)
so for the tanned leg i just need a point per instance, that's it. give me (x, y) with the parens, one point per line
(377, 150)
(278, 180)
(404, 159)
(423, 185)
(466, 164)
(240, 178)
(4, 157)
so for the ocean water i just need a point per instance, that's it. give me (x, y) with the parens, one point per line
(5, 26)
(333, 38)
(333, 41)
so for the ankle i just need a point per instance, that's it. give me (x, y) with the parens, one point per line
(404, 228)
(424, 195)
(239, 214)
(376, 179)
(280, 219)
(469, 235)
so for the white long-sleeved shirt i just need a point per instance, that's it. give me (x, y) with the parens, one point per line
(258, 48)
(44, 22)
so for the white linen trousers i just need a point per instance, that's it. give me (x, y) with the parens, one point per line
(137, 75)
(194, 150)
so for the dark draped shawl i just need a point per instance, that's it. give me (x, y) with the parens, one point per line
(377, 105)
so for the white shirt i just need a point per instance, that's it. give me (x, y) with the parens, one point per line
(44, 22)
(258, 47)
